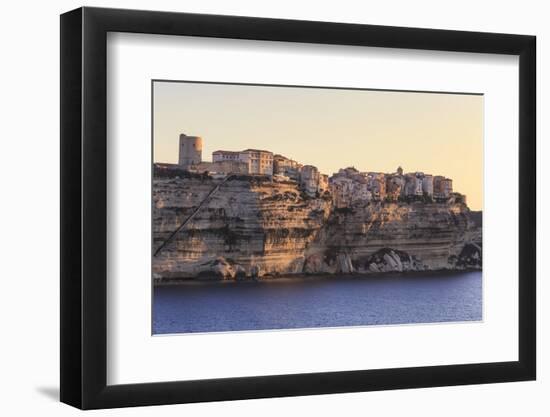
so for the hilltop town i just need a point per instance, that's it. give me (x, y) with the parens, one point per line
(252, 213)
(347, 187)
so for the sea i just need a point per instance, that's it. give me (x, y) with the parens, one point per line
(316, 302)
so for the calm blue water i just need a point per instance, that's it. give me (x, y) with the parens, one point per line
(317, 302)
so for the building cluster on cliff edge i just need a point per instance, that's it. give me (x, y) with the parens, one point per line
(249, 162)
(347, 187)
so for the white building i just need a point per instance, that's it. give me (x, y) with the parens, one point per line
(342, 191)
(349, 186)
(417, 184)
(310, 179)
(258, 161)
(286, 167)
(377, 185)
(221, 156)
(428, 185)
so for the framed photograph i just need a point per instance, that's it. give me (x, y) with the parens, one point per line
(257, 207)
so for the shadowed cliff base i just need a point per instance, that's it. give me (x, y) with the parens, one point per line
(205, 279)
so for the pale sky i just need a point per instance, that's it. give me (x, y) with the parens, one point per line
(439, 134)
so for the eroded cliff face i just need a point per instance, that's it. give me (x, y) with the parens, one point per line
(383, 237)
(246, 227)
(249, 226)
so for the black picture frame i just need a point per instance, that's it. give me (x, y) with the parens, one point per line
(84, 207)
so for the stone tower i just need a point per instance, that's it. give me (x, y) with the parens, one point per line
(190, 151)
(399, 170)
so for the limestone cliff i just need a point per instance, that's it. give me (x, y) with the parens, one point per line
(383, 237)
(248, 226)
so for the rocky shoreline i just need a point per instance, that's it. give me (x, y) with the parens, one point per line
(438, 273)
